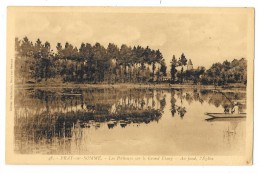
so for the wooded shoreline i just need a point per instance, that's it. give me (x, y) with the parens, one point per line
(38, 63)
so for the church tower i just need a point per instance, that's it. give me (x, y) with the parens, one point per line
(189, 65)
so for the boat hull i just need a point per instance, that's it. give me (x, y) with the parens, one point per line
(223, 115)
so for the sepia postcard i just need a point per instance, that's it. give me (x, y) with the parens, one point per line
(129, 86)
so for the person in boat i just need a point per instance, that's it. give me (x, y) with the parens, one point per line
(226, 109)
(235, 109)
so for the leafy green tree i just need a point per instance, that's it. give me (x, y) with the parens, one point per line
(88, 63)
(26, 57)
(163, 68)
(125, 54)
(101, 62)
(112, 54)
(182, 62)
(174, 64)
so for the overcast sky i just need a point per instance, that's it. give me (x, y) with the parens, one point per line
(204, 38)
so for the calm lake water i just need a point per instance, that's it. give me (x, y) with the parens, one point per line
(126, 122)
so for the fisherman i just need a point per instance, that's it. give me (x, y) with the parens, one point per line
(226, 109)
(235, 109)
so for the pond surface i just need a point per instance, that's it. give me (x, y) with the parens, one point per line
(127, 122)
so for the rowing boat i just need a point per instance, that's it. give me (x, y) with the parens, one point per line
(211, 119)
(223, 115)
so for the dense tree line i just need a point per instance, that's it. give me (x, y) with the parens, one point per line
(88, 64)
(234, 71)
(36, 62)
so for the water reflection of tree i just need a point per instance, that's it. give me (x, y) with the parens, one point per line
(91, 99)
(55, 115)
(211, 97)
(48, 115)
(181, 110)
(225, 100)
(197, 96)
